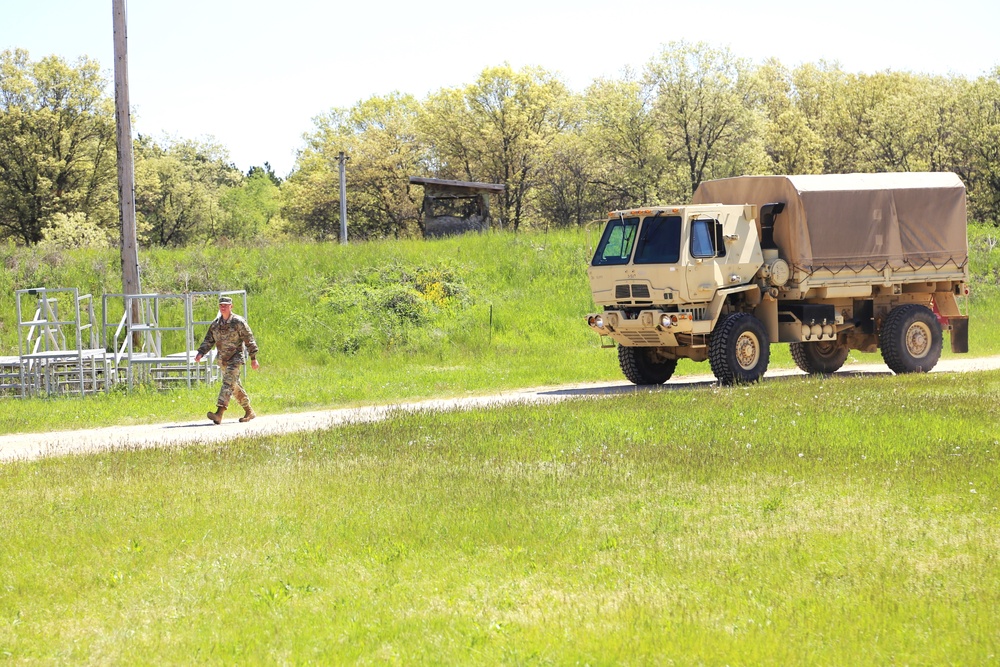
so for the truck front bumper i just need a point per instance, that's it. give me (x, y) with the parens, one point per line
(648, 328)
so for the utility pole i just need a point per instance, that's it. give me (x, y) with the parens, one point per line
(342, 159)
(126, 165)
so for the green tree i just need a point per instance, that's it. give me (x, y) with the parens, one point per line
(791, 145)
(178, 185)
(705, 109)
(266, 170)
(250, 208)
(57, 145)
(891, 121)
(977, 145)
(632, 163)
(821, 94)
(944, 107)
(497, 130)
(379, 137)
(564, 193)
(69, 232)
(310, 196)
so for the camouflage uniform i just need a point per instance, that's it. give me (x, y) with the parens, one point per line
(229, 337)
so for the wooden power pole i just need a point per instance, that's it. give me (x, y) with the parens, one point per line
(126, 165)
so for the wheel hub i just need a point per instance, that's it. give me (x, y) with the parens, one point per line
(825, 349)
(747, 350)
(918, 340)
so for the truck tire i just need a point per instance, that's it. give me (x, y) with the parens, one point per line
(739, 350)
(910, 339)
(819, 357)
(639, 367)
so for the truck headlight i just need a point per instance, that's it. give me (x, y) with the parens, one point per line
(597, 321)
(665, 321)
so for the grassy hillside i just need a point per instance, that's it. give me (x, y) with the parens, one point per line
(362, 323)
(381, 321)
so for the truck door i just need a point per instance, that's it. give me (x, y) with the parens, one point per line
(706, 256)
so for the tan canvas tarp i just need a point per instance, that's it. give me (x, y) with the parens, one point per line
(853, 221)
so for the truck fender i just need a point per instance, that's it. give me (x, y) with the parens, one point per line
(715, 305)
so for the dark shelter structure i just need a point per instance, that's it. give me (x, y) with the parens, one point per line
(455, 207)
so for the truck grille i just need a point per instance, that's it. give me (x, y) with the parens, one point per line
(625, 292)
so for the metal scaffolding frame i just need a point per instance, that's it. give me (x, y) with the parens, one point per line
(11, 376)
(61, 350)
(58, 351)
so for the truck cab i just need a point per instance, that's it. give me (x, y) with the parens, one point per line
(671, 256)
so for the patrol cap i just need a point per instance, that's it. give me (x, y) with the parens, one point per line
(225, 300)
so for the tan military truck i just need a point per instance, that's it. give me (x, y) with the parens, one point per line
(826, 263)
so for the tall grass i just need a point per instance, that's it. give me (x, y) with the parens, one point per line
(850, 520)
(345, 325)
(373, 322)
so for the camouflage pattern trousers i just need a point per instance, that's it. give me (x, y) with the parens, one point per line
(231, 386)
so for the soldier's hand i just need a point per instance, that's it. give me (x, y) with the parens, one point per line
(197, 358)
(254, 364)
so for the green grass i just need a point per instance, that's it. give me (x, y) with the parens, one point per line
(338, 325)
(379, 322)
(850, 520)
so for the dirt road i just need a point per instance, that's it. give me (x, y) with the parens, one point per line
(36, 445)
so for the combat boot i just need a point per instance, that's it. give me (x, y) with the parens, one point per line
(249, 414)
(217, 415)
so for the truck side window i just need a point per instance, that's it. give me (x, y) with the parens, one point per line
(659, 241)
(616, 242)
(707, 239)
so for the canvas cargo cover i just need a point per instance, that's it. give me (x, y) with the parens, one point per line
(854, 221)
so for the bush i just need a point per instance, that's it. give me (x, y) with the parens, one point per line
(69, 232)
(382, 308)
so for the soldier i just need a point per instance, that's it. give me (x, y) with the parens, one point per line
(229, 333)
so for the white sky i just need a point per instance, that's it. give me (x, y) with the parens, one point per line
(252, 74)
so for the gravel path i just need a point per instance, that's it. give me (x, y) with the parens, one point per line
(36, 445)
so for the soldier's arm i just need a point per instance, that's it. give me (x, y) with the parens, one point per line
(247, 335)
(206, 344)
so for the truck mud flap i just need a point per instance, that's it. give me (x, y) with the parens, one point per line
(959, 333)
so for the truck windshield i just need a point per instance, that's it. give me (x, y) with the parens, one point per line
(616, 243)
(660, 241)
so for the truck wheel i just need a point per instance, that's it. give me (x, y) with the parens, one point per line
(738, 350)
(640, 367)
(819, 357)
(911, 339)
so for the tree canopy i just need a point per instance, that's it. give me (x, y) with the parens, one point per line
(57, 144)
(693, 112)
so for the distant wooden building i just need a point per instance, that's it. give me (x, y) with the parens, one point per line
(455, 207)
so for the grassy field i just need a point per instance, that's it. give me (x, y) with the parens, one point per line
(850, 520)
(378, 322)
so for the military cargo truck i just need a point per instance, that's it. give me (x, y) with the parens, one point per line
(826, 263)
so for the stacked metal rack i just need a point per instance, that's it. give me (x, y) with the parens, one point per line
(58, 349)
(11, 376)
(147, 338)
